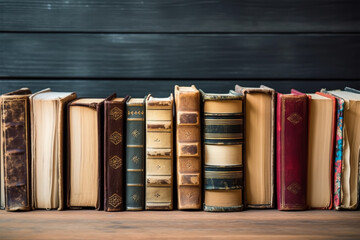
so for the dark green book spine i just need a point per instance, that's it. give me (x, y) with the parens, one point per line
(135, 136)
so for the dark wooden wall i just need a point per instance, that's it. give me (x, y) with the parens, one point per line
(96, 47)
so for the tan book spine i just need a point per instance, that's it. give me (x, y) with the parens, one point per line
(188, 147)
(159, 153)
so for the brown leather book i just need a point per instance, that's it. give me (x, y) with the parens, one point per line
(15, 149)
(114, 153)
(188, 147)
(85, 153)
(159, 153)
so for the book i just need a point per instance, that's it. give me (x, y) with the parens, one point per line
(292, 151)
(85, 153)
(48, 126)
(135, 154)
(223, 138)
(260, 111)
(188, 147)
(347, 150)
(321, 138)
(114, 109)
(15, 150)
(159, 153)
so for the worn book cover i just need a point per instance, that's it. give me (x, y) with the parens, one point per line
(260, 112)
(114, 111)
(159, 153)
(15, 150)
(292, 151)
(188, 147)
(223, 139)
(135, 153)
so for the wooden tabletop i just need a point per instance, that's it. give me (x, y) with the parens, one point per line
(254, 224)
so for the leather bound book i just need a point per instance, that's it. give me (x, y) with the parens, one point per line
(188, 147)
(135, 153)
(85, 153)
(347, 158)
(48, 148)
(15, 149)
(159, 153)
(292, 151)
(114, 109)
(260, 111)
(223, 138)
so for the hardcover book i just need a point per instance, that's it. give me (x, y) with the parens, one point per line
(114, 109)
(259, 146)
(322, 110)
(223, 138)
(48, 125)
(188, 147)
(15, 150)
(159, 153)
(135, 154)
(347, 150)
(292, 151)
(85, 154)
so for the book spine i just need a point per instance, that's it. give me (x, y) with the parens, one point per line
(159, 154)
(16, 152)
(113, 156)
(188, 149)
(223, 154)
(135, 139)
(292, 137)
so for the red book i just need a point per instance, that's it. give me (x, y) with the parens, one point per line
(292, 147)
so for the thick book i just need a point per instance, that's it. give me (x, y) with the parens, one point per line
(15, 150)
(260, 112)
(223, 139)
(114, 110)
(188, 147)
(347, 159)
(48, 146)
(159, 153)
(292, 151)
(321, 138)
(135, 154)
(85, 153)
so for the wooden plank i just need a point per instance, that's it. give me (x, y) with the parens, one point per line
(180, 16)
(181, 56)
(252, 224)
(162, 88)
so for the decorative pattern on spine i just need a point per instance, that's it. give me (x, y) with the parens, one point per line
(135, 140)
(188, 150)
(159, 153)
(223, 132)
(15, 149)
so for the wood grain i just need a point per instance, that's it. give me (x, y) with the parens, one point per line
(181, 56)
(180, 16)
(252, 224)
(162, 88)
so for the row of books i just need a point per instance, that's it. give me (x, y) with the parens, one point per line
(249, 148)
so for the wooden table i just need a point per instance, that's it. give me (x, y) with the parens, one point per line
(91, 224)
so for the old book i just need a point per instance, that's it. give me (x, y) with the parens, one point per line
(348, 154)
(48, 125)
(259, 146)
(223, 138)
(114, 109)
(322, 110)
(15, 150)
(188, 147)
(85, 152)
(159, 153)
(292, 151)
(135, 154)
